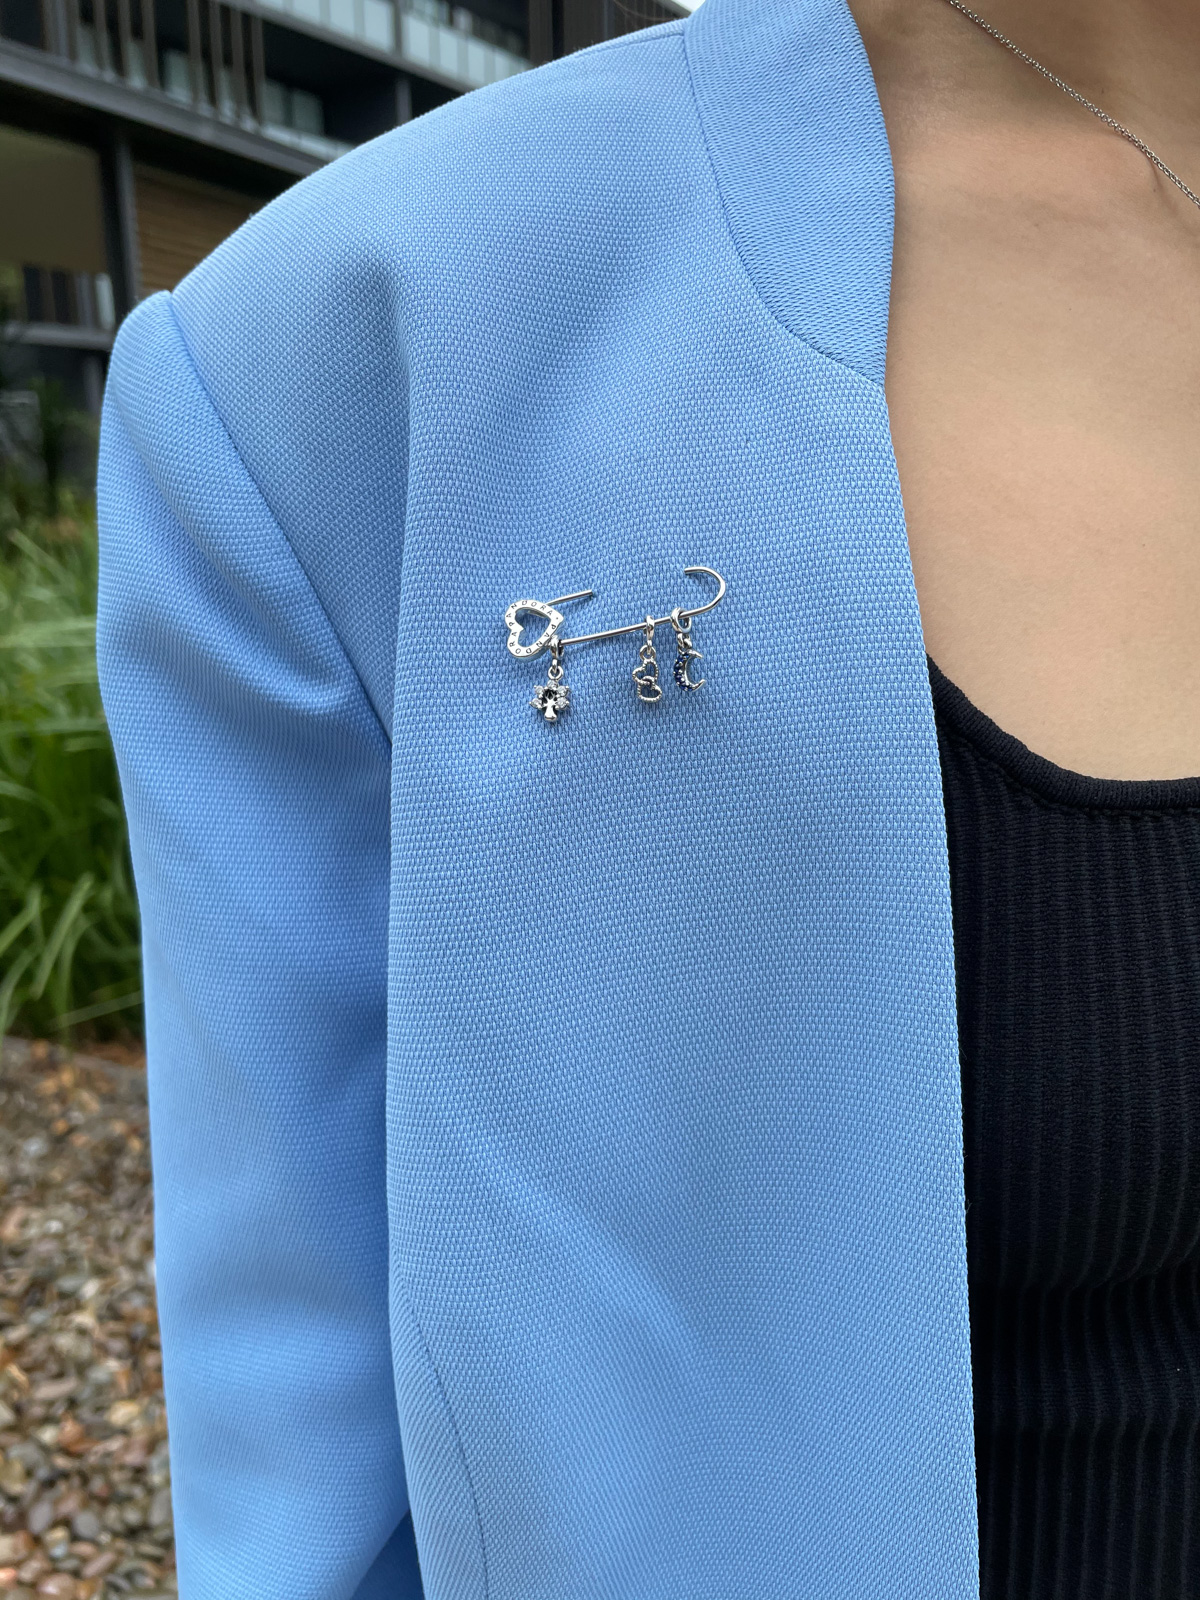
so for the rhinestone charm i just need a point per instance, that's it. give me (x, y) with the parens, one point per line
(553, 697)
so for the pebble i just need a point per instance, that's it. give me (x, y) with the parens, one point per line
(60, 1584)
(41, 1515)
(85, 1501)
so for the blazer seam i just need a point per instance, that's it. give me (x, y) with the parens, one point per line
(275, 518)
(805, 339)
(454, 1429)
(650, 35)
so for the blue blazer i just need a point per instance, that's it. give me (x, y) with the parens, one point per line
(556, 1127)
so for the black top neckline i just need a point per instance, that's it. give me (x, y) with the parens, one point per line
(1041, 777)
(1076, 916)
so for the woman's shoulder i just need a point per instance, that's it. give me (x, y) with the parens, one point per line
(551, 155)
(526, 204)
(422, 275)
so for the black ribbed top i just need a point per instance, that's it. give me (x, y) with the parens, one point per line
(1077, 944)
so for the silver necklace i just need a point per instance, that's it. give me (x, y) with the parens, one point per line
(1109, 122)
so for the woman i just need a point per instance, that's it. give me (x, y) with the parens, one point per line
(558, 1128)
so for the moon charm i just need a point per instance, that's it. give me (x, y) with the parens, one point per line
(681, 668)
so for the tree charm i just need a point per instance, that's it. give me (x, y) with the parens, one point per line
(550, 699)
(554, 695)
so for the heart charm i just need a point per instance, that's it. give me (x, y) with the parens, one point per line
(554, 621)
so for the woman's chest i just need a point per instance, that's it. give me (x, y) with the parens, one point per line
(1044, 389)
(1077, 954)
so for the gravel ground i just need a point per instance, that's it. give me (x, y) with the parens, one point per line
(85, 1504)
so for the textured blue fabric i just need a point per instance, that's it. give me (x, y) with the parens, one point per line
(574, 1106)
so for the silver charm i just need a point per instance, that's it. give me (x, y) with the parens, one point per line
(512, 619)
(554, 696)
(645, 674)
(685, 650)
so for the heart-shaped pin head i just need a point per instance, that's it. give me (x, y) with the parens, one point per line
(512, 619)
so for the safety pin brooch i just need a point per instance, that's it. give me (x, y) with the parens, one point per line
(553, 697)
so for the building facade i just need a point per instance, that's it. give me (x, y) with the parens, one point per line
(136, 134)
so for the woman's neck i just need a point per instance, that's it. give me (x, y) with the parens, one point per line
(1138, 59)
(1140, 55)
(1043, 373)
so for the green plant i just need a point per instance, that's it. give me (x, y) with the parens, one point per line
(59, 423)
(15, 485)
(69, 955)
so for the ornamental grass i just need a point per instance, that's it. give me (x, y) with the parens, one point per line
(69, 958)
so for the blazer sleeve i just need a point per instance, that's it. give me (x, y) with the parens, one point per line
(255, 773)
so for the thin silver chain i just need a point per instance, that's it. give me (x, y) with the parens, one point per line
(1109, 122)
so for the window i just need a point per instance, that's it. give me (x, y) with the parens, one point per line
(177, 75)
(284, 107)
(52, 259)
(372, 21)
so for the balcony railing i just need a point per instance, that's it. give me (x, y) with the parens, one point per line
(454, 41)
(371, 22)
(450, 41)
(66, 299)
(210, 55)
(53, 306)
(216, 64)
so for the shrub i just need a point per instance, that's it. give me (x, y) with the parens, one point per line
(69, 959)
